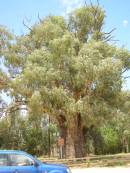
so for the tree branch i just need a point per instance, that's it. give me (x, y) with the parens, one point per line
(39, 18)
(124, 70)
(26, 26)
(108, 33)
(126, 77)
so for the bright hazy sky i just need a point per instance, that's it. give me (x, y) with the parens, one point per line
(13, 12)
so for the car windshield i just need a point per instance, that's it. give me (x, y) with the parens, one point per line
(20, 160)
(3, 160)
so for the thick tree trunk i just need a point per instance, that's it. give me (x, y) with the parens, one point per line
(79, 142)
(70, 149)
(63, 132)
(73, 137)
(79, 145)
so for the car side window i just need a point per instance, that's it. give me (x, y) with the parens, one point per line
(20, 160)
(3, 160)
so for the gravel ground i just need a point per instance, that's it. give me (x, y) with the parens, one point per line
(101, 170)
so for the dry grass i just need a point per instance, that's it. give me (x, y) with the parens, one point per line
(93, 161)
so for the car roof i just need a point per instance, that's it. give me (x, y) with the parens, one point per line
(12, 151)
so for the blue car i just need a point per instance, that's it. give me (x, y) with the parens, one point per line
(12, 161)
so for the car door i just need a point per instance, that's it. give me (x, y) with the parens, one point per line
(21, 163)
(4, 164)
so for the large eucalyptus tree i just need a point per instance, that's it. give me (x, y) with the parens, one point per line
(69, 69)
